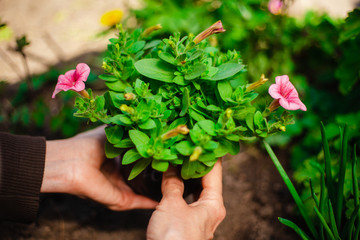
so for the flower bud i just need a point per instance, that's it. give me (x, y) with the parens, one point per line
(129, 96)
(275, 6)
(127, 109)
(84, 93)
(258, 83)
(282, 128)
(228, 112)
(196, 154)
(151, 29)
(213, 29)
(181, 129)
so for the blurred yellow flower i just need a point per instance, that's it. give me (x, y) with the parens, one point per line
(111, 18)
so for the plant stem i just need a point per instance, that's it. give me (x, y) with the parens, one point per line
(292, 190)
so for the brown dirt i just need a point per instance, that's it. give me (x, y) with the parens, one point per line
(254, 196)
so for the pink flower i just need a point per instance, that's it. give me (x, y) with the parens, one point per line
(275, 6)
(73, 80)
(285, 94)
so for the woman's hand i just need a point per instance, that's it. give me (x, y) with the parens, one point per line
(175, 219)
(78, 166)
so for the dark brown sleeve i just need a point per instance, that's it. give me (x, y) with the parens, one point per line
(22, 160)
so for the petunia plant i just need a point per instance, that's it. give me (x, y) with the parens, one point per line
(178, 101)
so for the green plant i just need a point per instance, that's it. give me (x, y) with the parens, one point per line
(177, 101)
(337, 212)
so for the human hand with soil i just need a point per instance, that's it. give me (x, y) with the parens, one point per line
(175, 219)
(78, 166)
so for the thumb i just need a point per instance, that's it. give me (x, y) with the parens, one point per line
(172, 185)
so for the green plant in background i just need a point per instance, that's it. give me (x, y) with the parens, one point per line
(336, 211)
(177, 101)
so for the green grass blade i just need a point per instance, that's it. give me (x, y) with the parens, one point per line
(354, 179)
(347, 231)
(332, 221)
(340, 189)
(315, 198)
(295, 227)
(355, 191)
(322, 201)
(323, 222)
(327, 159)
(292, 190)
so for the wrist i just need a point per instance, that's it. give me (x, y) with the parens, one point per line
(58, 175)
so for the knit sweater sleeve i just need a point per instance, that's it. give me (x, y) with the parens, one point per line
(22, 160)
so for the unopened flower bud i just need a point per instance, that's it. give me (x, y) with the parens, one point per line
(151, 29)
(127, 109)
(84, 93)
(129, 96)
(213, 29)
(196, 154)
(275, 6)
(181, 129)
(282, 128)
(228, 112)
(258, 83)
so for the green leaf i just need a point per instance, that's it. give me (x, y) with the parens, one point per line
(114, 134)
(116, 98)
(139, 167)
(206, 157)
(179, 80)
(194, 169)
(225, 90)
(351, 26)
(111, 151)
(121, 119)
(208, 126)
(213, 108)
(152, 44)
(185, 102)
(211, 145)
(196, 71)
(195, 55)
(148, 124)
(131, 156)
(137, 46)
(185, 148)
(117, 86)
(167, 57)
(99, 103)
(108, 78)
(138, 137)
(198, 117)
(160, 166)
(259, 120)
(125, 143)
(226, 70)
(155, 69)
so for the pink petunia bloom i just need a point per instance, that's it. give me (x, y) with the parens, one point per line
(275, 6)
(73, 80)
(285, 94)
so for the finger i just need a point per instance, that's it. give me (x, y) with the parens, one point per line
(212, 182)
(172, 185)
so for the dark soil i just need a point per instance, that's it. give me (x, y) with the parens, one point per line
(254, 196)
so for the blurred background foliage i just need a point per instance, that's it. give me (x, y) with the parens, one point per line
(319, 53)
